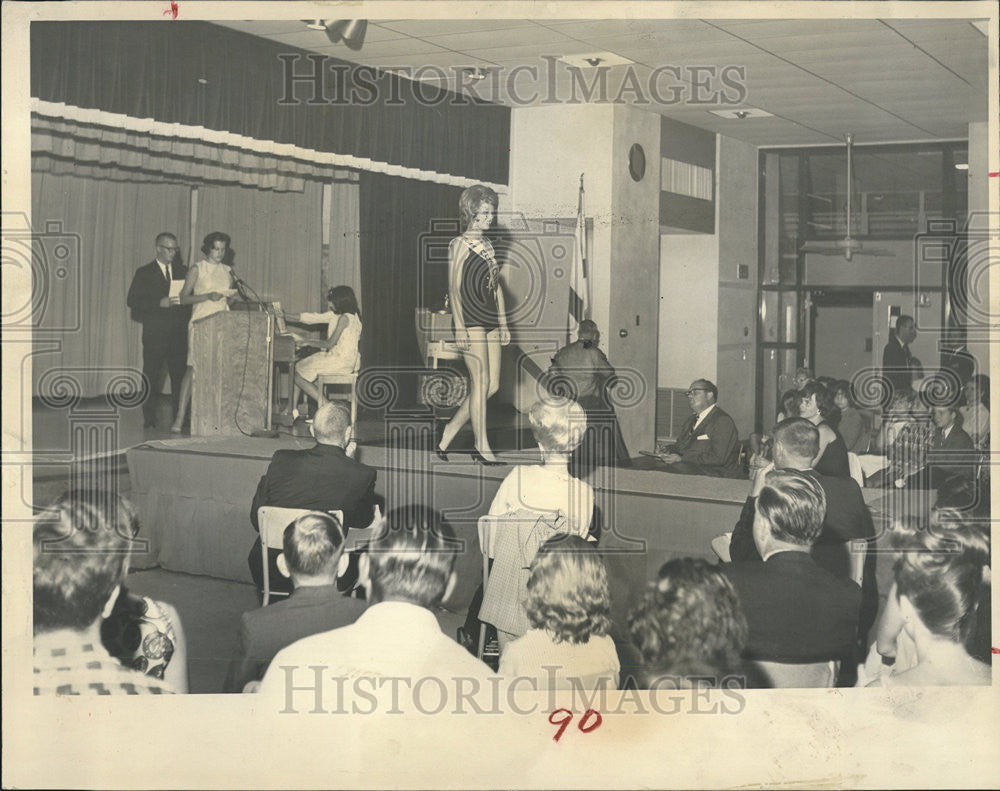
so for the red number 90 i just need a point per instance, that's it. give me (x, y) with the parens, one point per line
(563, 717)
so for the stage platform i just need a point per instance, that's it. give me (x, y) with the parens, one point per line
(194, 497)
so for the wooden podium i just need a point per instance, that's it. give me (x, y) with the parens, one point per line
(231, 354)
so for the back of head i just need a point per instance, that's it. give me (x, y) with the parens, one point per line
(331, 422)
(343, 300)
(796, 441)
(943, 571)
(312, 545)
(412, 556)
(587, 331)
(558, 424)
(81, 547)
(689, 624)
(794, 506)
(568, 590)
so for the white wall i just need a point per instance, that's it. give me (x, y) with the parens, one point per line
(689, 308)
(550, 147)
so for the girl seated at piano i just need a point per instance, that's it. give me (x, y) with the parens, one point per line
(338, 354)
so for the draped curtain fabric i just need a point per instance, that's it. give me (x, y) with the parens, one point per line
(82, 149)
(277, 240)
(204, 75)
(344, 254)
(400, 237)
(91, 236)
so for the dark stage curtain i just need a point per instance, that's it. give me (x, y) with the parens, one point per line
(200, 74)
(405, 229)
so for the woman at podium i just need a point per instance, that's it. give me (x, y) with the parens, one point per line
(338, 354)
(208, 286)
(478, 315)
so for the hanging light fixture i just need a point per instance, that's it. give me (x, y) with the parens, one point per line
(349, 31)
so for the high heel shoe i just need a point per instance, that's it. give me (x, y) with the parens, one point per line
(438, 434)
(478, 457)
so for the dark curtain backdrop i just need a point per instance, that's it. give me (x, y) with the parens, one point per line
(405, 229)
(152, 70)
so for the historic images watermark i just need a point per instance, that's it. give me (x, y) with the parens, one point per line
(318, 689)
(327, 80)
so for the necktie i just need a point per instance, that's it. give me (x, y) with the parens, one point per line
(166, 272)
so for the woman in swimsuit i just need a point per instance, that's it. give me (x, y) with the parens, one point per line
(478, 315)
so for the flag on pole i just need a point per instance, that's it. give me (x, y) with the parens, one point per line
(579, 302)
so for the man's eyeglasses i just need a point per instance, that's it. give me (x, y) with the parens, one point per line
(694, 390)
(168, 249)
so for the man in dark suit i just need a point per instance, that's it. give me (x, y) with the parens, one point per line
(324, 477)
(952, 452)
(797, 611)
(312, 557)
(707, 443)
(164, 322)
(897, 362)
(847, 518)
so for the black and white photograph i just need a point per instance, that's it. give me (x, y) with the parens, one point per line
(499, 395)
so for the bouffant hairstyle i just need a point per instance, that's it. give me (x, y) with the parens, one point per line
(312, 543)
(81, 548)
(343, 300)
(943, 570)
(411, 556)
(843, 387)
(824, 400)
(794, 505)
(568, 591)
(689, 624)
(472, 198)
(215, 236)
(558, 424)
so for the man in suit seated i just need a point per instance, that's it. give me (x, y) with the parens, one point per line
(324, 477)
(797, 611)
(313, 554)
(707, 444)
(952, 453)
(385, 656)
(581, 371)
(847, 518)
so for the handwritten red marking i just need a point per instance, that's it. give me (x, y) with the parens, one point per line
(172, 11)
(562, 723)
(994, 650)
(598, 719)
(994, 174)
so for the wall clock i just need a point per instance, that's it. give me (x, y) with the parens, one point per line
(636, 162)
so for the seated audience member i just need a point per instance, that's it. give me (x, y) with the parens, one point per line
(935, 629)
(976, 414)
(408, 570)
(313, 552)
(797, 611)
(568, 607)
(325, 477)
(761, 446)
(803, 376)
(707, 443)
(855, 424)
(689, 628)
(80, 561)
(818, 408)
(789, 405)
(846, 517)
(951, 453)
(141, 633)
(904, 440)
(580, 371)
(541, 500)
